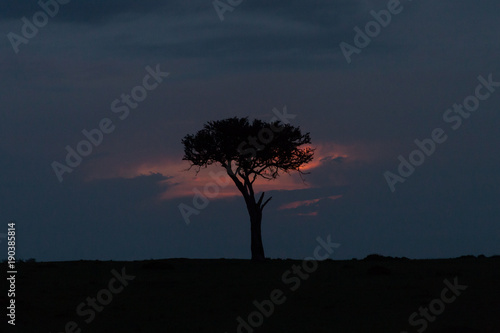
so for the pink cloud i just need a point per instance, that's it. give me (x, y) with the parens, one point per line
(296, 204)
(308, 214)
(181, 183)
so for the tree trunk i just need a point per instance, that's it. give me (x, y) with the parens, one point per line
(256, 234)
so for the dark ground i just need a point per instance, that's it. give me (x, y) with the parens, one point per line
(180, 295)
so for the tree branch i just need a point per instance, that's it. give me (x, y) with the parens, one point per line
(265, 203)
(260, 199)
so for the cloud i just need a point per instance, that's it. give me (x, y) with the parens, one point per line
(308, 214)
(297, 204)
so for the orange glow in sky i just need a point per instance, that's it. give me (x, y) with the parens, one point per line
(182, 183)
(296, 204)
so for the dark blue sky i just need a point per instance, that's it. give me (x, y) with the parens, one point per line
(121, 202)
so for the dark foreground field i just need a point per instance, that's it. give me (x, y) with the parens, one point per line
(180, 295)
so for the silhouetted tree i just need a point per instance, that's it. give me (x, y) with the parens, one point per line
(247, 151)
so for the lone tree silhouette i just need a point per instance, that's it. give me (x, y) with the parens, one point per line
(247, 151)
